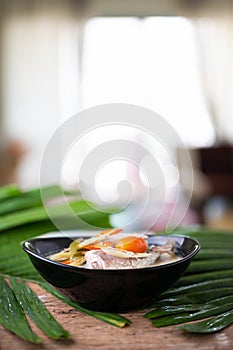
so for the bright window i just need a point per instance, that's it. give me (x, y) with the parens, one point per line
(152, 62)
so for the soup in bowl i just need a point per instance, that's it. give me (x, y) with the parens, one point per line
(116, 272)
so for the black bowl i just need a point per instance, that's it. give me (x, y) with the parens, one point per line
(110, 290)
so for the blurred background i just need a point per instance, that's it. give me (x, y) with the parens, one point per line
(174, 57)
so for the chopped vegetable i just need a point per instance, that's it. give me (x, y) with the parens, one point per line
(99, 237)
(111, 249)
(99, 245)
(133, 244)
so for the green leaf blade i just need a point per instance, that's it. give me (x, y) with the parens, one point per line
(37, 311)
(190, 316)
(212, 325)
(204, 291)
(113, 319)
(12, 316)
(9, 191)
(210, 265)
(190, 279)
(202, 286)
(28, 199)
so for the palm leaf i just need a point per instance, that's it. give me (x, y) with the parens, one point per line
(36, 310)
(25, 218)
(9, 191)
(113, 319)
(28, 199)
(205, 291)
(12, 316)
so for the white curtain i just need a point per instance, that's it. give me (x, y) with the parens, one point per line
(41, 46)
(214, 32)
(38, 40)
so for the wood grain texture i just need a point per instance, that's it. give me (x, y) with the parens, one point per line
(90, 334)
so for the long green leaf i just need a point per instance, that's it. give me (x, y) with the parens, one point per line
(195, 297)
(210, 265)
(188, 280)
(207, 253)
(37, 311)
(202, 286)
(212, 325)
(80, 208)
(191, 316)
(28, 199)
(179, 309)
(205, 290)
(113, 319)
(12, 316)
(9, 191)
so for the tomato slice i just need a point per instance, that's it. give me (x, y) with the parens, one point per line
(133, 244)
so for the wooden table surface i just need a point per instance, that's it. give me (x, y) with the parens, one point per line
(89, 333)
